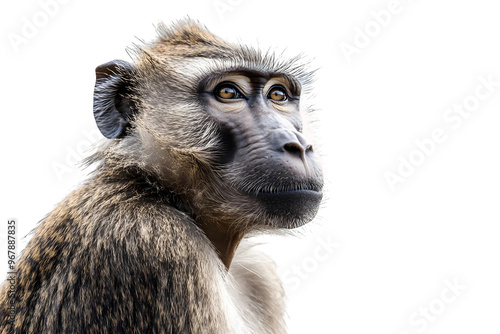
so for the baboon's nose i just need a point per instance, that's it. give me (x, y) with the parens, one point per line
(291, 142)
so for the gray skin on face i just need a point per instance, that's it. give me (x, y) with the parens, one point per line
(206, 144)
(262, 136)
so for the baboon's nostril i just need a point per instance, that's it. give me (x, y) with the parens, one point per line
(293, 148)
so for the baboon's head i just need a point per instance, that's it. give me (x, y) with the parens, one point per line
(219, 125)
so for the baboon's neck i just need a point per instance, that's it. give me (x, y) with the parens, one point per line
(225, 242)
(136, 181)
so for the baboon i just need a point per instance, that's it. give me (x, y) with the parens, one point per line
(205, 147)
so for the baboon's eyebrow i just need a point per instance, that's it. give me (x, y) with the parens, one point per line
(216, 77)
(241, 80)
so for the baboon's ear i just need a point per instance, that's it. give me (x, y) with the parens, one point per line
(113, 108)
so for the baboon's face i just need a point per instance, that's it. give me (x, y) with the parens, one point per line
(221, 125)
(266, 156)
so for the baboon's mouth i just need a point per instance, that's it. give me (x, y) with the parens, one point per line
(303, 188)
(298, 202)
(305, 192)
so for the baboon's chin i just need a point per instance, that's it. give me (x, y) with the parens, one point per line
(290, 209)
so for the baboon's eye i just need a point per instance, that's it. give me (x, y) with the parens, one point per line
(227, 91)
(277, 93)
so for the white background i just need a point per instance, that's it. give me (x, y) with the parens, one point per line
(374, 256)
